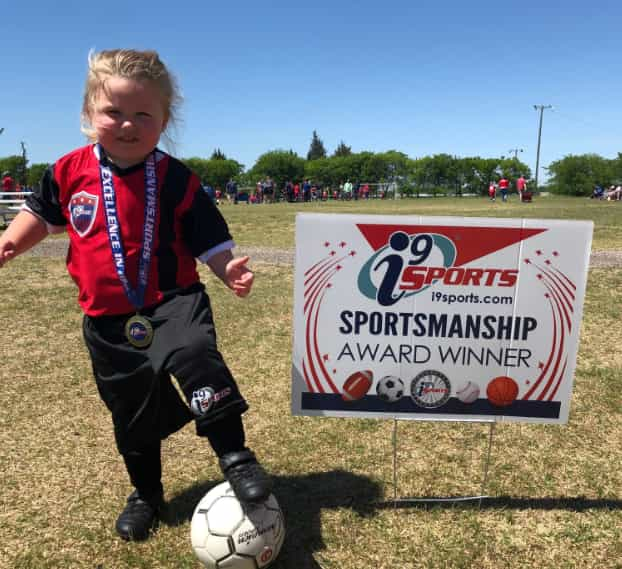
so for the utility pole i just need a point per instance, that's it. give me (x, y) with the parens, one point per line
(541, 109)
(24, 162)
(515, 151)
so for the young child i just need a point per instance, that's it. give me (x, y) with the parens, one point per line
(137, 219)
(492, 191)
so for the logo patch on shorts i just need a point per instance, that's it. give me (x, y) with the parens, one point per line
(203, 399)
(82, 212)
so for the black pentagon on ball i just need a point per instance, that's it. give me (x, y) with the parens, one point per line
(390, 384)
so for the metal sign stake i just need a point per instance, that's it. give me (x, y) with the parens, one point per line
(485, 473)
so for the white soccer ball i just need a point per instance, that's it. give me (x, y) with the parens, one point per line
(225, 533)
(390, 388)
(468, 392)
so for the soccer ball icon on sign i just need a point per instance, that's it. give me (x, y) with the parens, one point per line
(390, 388)
(225, 533)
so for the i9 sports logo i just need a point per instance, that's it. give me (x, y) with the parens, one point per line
(387, 276)
(409, 263)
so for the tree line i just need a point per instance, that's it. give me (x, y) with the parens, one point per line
(437, 174)
(577, 175)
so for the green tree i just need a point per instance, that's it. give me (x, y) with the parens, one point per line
(218, 155)
(198, 165)
(487, 170)
(467, 172)
(434, 173)
(320, 171)
(375, 169)
(12, 165)
(616, 169)
(216, 172)
(219, 172)
(316, 149)
(342, 150)
(280, 165)
(35, 173)
(512, 168)
(578, 174)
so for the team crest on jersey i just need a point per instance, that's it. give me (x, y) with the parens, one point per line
(82, 212)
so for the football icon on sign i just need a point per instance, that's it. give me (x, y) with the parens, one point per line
(357, 385)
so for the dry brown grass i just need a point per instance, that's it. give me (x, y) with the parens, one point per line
(555, 489)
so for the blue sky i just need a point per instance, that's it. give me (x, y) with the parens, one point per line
(419, 76)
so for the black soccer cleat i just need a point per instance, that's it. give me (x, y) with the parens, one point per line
(139, 517)
(249, 481)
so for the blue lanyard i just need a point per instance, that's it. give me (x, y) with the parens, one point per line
(135, 296)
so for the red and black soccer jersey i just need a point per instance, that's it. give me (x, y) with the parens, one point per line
(188, 225)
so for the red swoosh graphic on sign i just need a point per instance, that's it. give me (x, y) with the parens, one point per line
(471, 242)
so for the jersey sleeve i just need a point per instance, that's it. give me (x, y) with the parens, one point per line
(205, 229)
(44, 202)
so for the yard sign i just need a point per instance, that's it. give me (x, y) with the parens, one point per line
(437, 318)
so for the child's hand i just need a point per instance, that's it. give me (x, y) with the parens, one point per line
(238, 277)
(7, 252)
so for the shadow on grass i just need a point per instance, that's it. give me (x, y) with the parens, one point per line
(574, 503)
(302, 498)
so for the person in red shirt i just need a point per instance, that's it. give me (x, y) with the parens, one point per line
(137, 220)
(521, 186)
(492, 191)
(503, 188)
(8, 184)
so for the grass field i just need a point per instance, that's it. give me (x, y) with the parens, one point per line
(556, 490)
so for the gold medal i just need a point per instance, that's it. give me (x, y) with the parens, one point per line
(139, 331)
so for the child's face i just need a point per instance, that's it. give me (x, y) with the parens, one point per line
(128, 118)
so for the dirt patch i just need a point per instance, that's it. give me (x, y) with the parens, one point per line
(601, 259)
(58, 248)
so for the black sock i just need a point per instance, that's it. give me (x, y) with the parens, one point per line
(226, 435)
(145, 469)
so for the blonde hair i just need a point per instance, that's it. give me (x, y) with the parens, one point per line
(129, 64)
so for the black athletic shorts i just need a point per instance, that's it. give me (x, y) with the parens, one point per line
(135, 383)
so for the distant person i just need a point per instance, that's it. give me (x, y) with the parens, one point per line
(231, 188)
(356, 191)
(504, 184)
(347, 190)
(306, 191)
(614, 193)
(267, 190)
(598, 193)
(492, 191)
(8, 184)
(521, 186)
